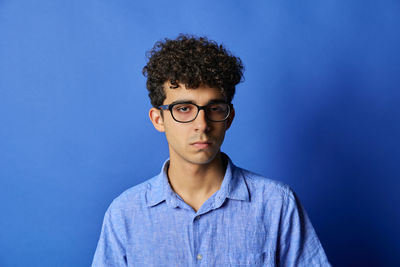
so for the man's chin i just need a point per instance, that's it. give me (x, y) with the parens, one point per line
(204, 158)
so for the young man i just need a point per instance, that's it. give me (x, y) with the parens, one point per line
(202, 210)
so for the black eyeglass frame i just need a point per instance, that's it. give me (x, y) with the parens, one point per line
(171, 106)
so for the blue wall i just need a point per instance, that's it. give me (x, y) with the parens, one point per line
(319, 110)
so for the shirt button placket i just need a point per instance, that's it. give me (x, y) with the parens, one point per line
(199, 256)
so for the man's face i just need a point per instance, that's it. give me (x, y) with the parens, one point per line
(198, 141)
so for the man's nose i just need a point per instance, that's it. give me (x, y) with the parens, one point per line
(201, 122)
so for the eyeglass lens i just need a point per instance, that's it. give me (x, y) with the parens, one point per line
(186, 112)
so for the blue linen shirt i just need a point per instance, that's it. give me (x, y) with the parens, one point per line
(249, 221)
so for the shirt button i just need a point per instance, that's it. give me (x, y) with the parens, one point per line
(197, 217)
(199, 256)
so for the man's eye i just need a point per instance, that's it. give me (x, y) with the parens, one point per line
(183, 108)
(217, 108)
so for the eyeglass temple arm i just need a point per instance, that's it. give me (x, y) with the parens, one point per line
(164, 107)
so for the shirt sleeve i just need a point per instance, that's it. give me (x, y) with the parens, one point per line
(110, 249)
(298, 244)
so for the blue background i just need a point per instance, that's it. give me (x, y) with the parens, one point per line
(319, 110)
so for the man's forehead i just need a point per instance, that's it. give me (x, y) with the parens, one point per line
(201, 93)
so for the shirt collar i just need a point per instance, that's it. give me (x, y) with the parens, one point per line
(233, 186)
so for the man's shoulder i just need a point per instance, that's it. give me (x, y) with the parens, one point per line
(264, 187)
(134, 196)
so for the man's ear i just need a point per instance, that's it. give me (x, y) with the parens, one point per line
(230, 118)
(157, 119)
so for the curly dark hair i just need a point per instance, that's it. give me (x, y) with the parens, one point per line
(192, 61)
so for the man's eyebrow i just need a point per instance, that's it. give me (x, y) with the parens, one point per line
(187, 101)
(217, 101)
(182, 101)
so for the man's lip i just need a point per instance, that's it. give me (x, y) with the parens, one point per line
(201, 142)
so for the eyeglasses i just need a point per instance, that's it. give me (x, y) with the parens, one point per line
(187, 112)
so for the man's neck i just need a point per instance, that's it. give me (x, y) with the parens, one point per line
(195, 183)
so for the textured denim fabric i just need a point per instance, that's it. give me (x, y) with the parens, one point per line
(249, 221)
